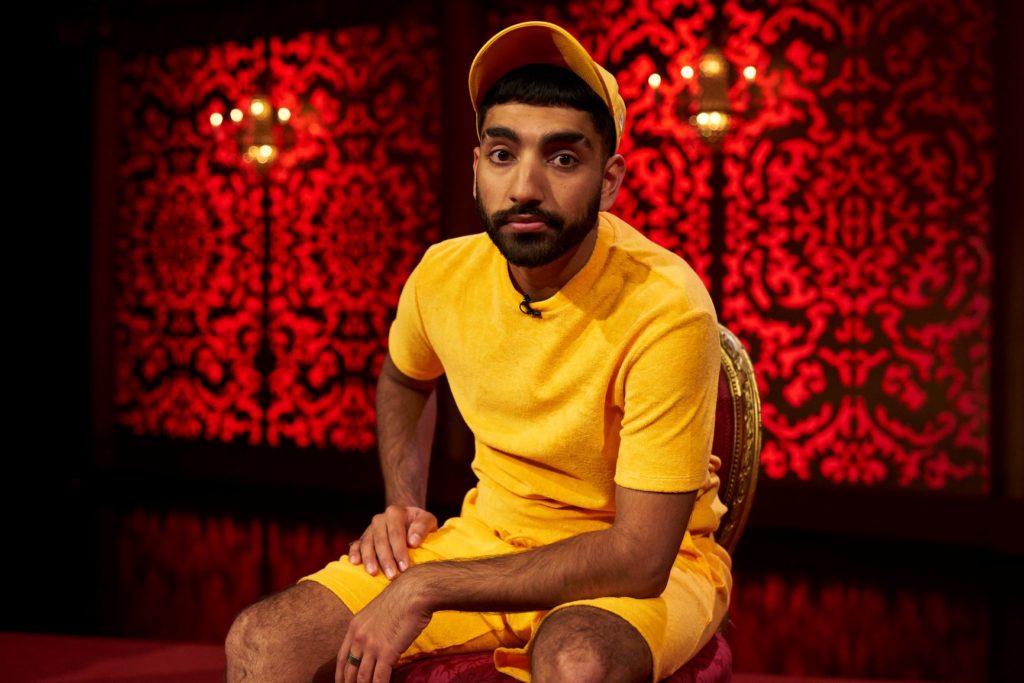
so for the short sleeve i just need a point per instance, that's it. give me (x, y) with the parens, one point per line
(408, 342)
(670, 389)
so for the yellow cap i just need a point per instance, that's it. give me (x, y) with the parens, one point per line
(539, 42)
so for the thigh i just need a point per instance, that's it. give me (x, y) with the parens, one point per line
(449, 632)
(458, 539)
(679, 622)
(303, 609)
(674, 625)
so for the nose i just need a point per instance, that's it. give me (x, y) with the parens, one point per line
(527, 183)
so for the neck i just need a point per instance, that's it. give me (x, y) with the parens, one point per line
(544, 281)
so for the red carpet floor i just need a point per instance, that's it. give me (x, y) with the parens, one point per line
(38, 658)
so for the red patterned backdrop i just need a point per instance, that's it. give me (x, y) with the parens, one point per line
(223, 334)
(188, 251)
(352, 216)
(857, 264)
(857, 244)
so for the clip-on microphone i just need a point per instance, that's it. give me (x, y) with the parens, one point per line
(526, 308)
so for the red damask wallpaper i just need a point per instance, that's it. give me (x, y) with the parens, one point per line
(856, 267)
(857, 254)
(251, 306)
(857, 214)
(188, 251)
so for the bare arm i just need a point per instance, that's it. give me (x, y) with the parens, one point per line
(405, 417)
(631, 558)
(404, 452)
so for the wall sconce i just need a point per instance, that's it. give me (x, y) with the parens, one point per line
(706, 104)
(261, 132)
(702, 98)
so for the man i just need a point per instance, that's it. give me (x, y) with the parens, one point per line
(585, 360)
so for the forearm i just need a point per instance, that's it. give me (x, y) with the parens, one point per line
(590, 565)
(404, 459)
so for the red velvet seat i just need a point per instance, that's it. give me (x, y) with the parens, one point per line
(738, 443)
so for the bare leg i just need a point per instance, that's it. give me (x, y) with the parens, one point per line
(293, 635)
(583, 644)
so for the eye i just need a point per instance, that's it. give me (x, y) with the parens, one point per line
(500, 156)
(565, 160)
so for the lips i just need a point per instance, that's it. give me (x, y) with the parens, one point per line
(525, 223)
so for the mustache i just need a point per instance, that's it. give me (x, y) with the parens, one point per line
(499, 218)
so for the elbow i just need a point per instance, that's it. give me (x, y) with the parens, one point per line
(656, 585)
(640, 575)
(650, 580)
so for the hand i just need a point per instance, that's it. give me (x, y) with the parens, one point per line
(385, 543)
(380, 632)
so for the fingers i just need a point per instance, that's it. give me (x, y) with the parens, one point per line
(420, 524)
(343, 664)
(396, 541)
(383, 528)
(355, 668)
(364, 673)
(351, 667)
(369, 550)
(369, 670)
(361, 552)
(385, 544)
(381, 672)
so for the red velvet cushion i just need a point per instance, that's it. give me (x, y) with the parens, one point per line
(474, 668)
(713, 664)
(725, 429)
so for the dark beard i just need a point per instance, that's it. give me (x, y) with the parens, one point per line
(532, 249)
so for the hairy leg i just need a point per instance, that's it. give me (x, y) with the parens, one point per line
(293, 635)
(583, 644)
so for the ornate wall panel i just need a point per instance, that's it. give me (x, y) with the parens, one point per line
(351, 215)
(255, 305)
(857, 254)
(188, 251)
(254, 308)
(857, 183)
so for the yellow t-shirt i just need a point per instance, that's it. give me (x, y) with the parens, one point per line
(615, 383)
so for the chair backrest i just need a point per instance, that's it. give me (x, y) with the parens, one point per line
(737, 437)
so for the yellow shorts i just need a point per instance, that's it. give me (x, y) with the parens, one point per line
(675, 625)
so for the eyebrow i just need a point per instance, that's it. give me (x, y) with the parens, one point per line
(501, 132)
(567, 137)
(560, 136)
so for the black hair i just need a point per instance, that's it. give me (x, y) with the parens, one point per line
(547, 85)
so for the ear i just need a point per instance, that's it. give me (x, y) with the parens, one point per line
(614, 172)
(476, 161)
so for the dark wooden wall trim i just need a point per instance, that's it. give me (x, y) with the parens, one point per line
(990, 523)
(1008, 252)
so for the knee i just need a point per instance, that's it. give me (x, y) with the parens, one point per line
(588, 645)
(574, 664)
(247, 643)
(567, 650)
